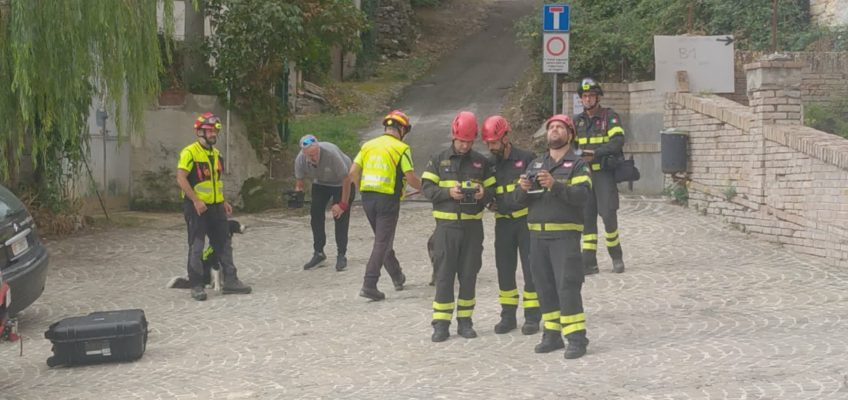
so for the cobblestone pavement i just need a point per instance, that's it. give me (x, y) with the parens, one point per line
(703, 312)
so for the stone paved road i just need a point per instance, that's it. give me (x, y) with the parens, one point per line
(703, 312)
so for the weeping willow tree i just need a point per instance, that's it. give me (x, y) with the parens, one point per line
(55, 57)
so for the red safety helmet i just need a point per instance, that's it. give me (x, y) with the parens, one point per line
(397, 118)
(565, 119)
(207, 120)
(464, 126)
(494, 128)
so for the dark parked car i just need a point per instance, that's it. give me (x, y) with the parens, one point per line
(23, 258)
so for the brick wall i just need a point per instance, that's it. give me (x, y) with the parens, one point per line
(823, 75)
(757, 168)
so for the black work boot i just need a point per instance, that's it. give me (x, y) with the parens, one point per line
(198, 293)
(341, 262)
(530, 327)
(551, 340)
(464, 328)
(399, 282)
(531, 321)
(507, 322)
(576, 348)
(440, 331)
(235, 286)
(317, 258)
(372, 294)
(618, 266)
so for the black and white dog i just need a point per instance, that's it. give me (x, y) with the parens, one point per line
(212, 276)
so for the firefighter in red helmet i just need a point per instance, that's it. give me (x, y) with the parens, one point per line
(555, 187)
(460, 183)
(511, 235)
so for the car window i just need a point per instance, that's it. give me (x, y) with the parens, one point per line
(9, 203)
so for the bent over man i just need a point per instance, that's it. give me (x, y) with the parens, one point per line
(459, 182)
(556, 186)
(511, 235)
(328, 168)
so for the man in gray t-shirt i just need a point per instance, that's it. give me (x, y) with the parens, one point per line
(327, 166)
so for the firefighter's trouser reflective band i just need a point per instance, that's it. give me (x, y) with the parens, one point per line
(444, 311)
(572, 323)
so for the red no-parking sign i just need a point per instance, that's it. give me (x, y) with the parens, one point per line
(555, 49)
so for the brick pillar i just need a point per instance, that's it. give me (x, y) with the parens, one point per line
(774, 95)
(774, 90)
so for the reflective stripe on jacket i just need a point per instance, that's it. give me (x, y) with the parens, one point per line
(448, 169)
(204, 169)
(507, 172)
(601, 133)
(560, 208)
(384, 160)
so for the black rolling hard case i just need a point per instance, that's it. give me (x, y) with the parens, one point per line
(98, 337)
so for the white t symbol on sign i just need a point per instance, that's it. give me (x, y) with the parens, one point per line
(556, 11)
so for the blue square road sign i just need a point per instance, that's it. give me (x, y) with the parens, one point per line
(555, 18)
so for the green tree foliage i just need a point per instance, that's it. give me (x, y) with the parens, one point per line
(254, 39)
(613, 39)
(55, 57)
(829, 116)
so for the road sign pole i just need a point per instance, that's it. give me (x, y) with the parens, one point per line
(555, 95)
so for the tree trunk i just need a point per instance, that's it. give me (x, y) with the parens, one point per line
(193, 60)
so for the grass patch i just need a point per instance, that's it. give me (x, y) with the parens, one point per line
(406, 69)
(339, 129)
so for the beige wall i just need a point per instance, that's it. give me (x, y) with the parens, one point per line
(167, 131)
(759, 169)
(641, 111)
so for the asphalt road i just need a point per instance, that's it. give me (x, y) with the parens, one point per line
(475, 77)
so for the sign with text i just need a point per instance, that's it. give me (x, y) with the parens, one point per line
(707, 60)
(555, 50)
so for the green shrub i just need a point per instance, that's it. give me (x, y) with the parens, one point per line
(678, 191)
(829, 117)
(260, 194)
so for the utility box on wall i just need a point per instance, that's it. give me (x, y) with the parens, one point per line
(674, 148)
